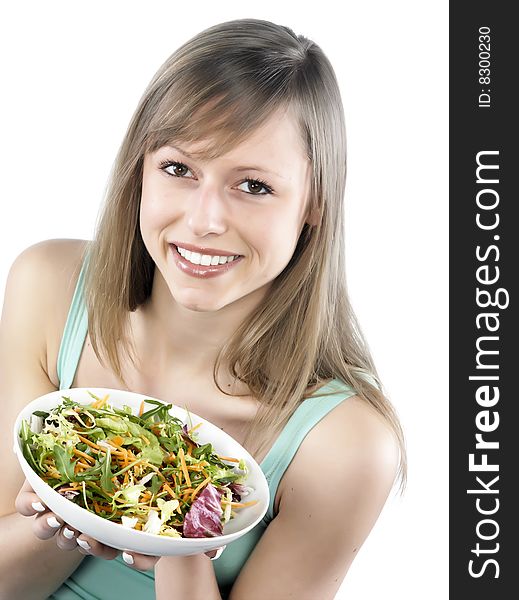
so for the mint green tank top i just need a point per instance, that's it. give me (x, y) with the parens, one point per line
(98, 579)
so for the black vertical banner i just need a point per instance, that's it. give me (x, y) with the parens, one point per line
(484, 254)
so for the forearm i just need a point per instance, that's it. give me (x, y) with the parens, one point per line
(31, 568)
(192, 577)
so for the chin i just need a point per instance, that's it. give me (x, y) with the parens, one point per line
(198, 304)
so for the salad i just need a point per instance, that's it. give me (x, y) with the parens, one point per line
(144, 471)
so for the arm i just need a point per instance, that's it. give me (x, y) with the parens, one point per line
(26, 311)
(186, 577)
(335, 489)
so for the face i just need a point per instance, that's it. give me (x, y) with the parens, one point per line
(249, 204)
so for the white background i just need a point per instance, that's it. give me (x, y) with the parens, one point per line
(72, 76)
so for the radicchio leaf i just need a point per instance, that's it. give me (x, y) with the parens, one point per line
(204, 517)
(238, 490)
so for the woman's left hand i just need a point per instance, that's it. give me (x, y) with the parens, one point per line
(91, 547)
(140, 562)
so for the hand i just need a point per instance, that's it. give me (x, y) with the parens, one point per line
(47, 525)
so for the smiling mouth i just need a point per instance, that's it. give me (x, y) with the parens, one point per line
(205, 260)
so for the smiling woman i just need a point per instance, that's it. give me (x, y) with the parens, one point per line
(254, 226)
(216, 281)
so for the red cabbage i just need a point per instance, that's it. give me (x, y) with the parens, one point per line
(204, 517)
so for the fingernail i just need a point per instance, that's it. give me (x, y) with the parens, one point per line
(38, 506)
(128, 558)
(68, 533)
(83, 543)
(53, 522)
(218, 552)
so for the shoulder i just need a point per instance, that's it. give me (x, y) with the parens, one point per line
(39, 290)
(357, 439)
(333, 493)
(45, 263)
(45, 272)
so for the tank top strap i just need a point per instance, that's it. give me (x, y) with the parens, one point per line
(74, 334)
(303, 419)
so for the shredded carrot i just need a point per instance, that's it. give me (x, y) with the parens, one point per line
(170, 458)
(118, 440)
(101, 448)
(100, 403)
(183, 466)
(88, 442)
(187, 493)
(229, 459)
(83, 455)
(199, 487)
(169, 490)
(141, 409)
(194, 468)
(78, 467)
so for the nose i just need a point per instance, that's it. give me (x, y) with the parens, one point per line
(207, 211)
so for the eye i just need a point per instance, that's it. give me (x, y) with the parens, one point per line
(254, 187)
(178, 169)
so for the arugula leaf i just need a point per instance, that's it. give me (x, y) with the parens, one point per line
(63, 463)
(106, 473)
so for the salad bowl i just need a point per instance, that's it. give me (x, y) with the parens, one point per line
(216, 515)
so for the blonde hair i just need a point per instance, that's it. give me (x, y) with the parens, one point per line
(220, 86)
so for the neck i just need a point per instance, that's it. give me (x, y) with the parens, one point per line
(169, 334)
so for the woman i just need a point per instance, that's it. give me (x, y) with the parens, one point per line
(216, 280)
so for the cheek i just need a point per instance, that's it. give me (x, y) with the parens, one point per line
(157, 209)
(276, 240)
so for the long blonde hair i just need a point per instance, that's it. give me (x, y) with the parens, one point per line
(220, 86)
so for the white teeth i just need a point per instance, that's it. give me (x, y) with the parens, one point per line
(195, 258)
(204, 259)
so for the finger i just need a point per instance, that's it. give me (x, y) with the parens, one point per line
(140, 562)
(46, 525)
(66, 539)
(87, 545)
(27, 503)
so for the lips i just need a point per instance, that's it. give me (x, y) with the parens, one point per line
(202, 271)
(203, 250)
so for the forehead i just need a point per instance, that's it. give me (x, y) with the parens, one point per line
(277, 140)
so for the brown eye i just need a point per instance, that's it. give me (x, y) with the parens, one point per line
(255, 187)
(179, 169)
(174, 168)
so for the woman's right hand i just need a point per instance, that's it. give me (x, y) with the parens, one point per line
(47, 524)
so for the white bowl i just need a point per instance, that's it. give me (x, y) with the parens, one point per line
(115, 534)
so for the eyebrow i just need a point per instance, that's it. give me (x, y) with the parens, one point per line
(238, 169)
